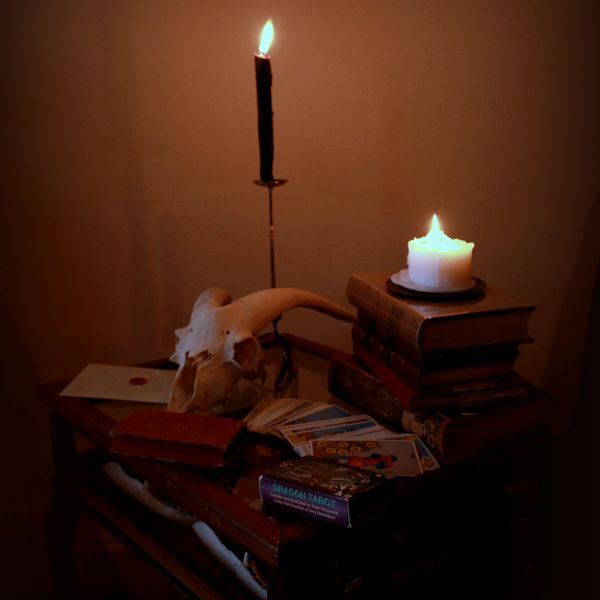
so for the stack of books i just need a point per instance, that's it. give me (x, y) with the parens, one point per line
(437, 367)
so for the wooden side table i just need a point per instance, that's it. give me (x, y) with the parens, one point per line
(450, 527)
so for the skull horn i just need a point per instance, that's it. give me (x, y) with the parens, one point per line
(265, 306)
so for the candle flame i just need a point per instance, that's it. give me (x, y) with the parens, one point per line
(266, 38)
(437, 237)
(438, 241)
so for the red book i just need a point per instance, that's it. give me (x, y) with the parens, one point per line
(194, 439)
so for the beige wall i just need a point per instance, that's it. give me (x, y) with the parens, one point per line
(130, 143)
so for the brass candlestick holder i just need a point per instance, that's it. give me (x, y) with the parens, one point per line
(287, 371)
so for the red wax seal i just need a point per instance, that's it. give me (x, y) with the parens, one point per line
(138, 381)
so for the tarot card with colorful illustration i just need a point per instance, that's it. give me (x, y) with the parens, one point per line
(391, 458)
(376, 433)
(300, 435)
(428, 461)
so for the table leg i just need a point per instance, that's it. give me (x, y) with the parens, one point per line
(64, 511)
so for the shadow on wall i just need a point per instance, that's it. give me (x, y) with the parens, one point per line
(26, 461)
(572, 525)
(568, 354)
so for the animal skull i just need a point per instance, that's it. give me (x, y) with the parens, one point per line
(219, 346)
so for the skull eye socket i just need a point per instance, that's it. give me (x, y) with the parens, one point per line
(248, 354)
(187, 375)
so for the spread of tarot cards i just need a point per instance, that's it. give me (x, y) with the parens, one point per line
(331, 432)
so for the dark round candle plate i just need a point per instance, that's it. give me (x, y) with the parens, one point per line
(476, 289)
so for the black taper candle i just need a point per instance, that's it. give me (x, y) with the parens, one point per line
(262, 66)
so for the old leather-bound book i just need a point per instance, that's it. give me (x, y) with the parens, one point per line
(453, 433)
(194, 439)
(418, 328)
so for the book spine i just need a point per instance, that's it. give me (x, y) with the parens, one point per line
(471, 434)
(390, 338)
(386, 355)
(425, 327)
(297, 499)
(205, 456)
(400, 390)
(431, 428)
(394, 316)
(460, 331)
(359, 388)
(453, 438)
(480, 374)
(458, 395)
(435, 358)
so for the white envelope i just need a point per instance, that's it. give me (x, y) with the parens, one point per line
(115, 382)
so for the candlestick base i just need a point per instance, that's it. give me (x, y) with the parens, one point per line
(440, 296)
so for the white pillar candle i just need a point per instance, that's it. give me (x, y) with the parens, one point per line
(439, 263)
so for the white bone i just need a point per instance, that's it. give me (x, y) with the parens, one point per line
(219, 345)
(138, 490)
(228, 559)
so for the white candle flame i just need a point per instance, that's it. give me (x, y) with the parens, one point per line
(266, 38)
(436, 236)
